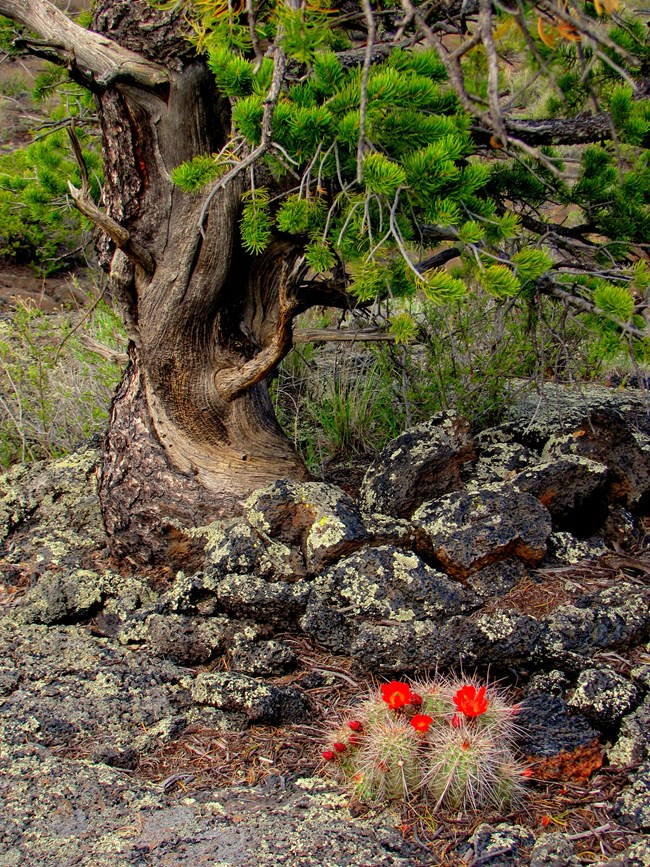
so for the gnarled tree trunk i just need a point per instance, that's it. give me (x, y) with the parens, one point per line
(192, 430)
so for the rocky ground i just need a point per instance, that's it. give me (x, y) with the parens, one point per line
(164, 716)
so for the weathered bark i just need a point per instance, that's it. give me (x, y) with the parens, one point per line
(179, 450)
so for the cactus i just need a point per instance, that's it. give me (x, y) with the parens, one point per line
(444, 740)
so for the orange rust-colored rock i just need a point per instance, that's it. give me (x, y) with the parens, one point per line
(575, 766)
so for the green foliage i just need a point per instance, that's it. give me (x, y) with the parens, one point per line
(381, 175)
(320, 257)
(54, 391)
(256, 222)
(531, 263)
(499, 281)
(36, 222)
(193, 175)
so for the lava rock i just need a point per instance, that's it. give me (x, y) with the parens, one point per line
(608, 438)
(260, 702)
(497, 579)
(615, 617)
(327, 626)
(603, 696)
(570, 487)
(564, 549)
(261, 658)
(467, 531)
(553, 682)
(498, 462)
(184, 640)
(633, 743)
(632, 807)
(234, 547)
(553, 850)
(322, 520)
(503, 846)
(420, 464)
(561, 746)
(63, 597)
(247, 596)
(390, 584)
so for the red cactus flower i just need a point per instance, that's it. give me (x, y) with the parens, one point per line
(456, 721)
(396, 694)
(339, 747)
(328, 755)
(421, 722)
(470, 702)
(527, 772)
(416, 700)
(465, 745)
(355, 725)
(354, 741)
(546, 821)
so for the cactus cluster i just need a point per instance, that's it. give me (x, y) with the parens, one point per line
(447, 741)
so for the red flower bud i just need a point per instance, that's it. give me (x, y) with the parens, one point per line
(355, 725)
(416, 700)
(328, 755)
(546, 821)
(465, 745)
(456, 721)
(354, 740)
(339, 747)
(527, 772)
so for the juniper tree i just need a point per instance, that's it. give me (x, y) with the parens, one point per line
(261, 158)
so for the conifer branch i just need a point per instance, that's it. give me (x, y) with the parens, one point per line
(270, 103)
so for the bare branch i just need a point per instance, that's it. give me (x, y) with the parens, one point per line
(115, 231)
(67, 42)
(365, 75)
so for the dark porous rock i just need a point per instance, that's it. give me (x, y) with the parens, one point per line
(506, 637)
(386, 530)
(322, 520)
(327, 626)
(554, 682)
(560, 409)
(234, 547)
(247, 596)
(259, 701)
(607, 437)
(553, 850)
(387, 583)
(420, 464)
(402, 647)
(632, 807)
(9, 677)
(498, 462)
(77, 689)
(565, 550)
(559, 745)
(620, 528)
(497, 579)
(617, 616)
(571, 489)
(63, 597)
(106, 754)
(503, 846)
(633, 743)
(603, 696)
(638, 855)
(261, 658)
(185, 640)
(466, 531)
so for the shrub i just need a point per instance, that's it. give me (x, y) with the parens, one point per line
(55, 389)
